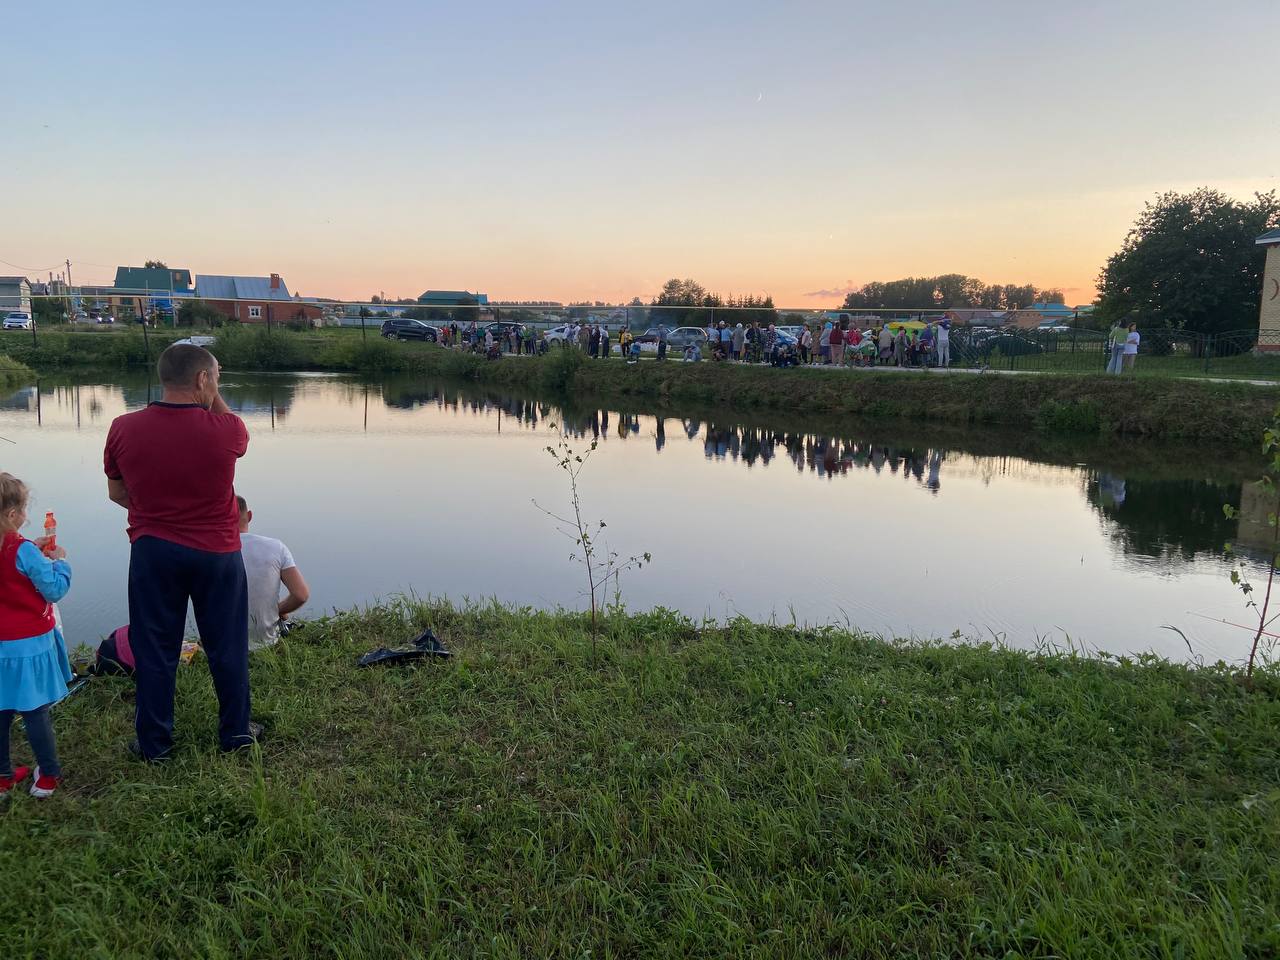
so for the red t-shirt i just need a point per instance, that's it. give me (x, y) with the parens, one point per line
(178, 462)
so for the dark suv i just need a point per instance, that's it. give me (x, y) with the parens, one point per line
(501, 329)
(403, 328)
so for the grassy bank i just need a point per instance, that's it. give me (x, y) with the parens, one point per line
(1095, 405)
(746, 791)
(1050, 404)
(13, 373)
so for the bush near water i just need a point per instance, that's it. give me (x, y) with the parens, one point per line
(705, 791)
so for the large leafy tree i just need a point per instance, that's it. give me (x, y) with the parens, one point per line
(1190, 262)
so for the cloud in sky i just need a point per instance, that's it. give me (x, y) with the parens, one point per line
(849, 287)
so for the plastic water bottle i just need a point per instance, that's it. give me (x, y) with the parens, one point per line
(50, 531)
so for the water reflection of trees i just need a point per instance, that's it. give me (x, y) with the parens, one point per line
(752, 445)
(1165, 517)
(1178, 516)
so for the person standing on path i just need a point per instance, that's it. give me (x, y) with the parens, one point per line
(806, 344)
(944, 343)
(835, 344)
(1116, 338)
(739, 342)
(662, 341)
(726, 340)
(172, 466)
(1131, 341)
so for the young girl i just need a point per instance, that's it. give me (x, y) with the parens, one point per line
(34, 670)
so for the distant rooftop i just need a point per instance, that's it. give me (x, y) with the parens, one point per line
(1271, 236)
(152, 278)
(240, 288)
(452, 297)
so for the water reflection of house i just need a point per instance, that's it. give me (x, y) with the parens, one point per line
(23, 400)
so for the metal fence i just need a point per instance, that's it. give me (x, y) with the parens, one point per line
(1074, 346)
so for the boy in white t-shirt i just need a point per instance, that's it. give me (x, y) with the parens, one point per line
(268, 565)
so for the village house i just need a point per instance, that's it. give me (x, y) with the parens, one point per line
(15, 295)
(144, 291)
(256, 300)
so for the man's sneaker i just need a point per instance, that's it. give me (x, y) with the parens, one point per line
(8, 783)
(44, 785)
(135, 751)
(255, 735)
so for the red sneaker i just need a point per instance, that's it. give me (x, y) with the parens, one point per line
(8, 783)
(44, 785)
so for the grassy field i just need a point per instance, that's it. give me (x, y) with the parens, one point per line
(746, 791)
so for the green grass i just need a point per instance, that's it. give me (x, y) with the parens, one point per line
(746, 791)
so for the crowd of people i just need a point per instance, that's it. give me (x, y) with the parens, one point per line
(171, 466)
(838, 343)
(833, 343)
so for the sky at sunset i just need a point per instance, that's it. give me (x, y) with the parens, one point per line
(591, 150)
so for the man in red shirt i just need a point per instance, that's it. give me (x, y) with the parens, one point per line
(172, 466)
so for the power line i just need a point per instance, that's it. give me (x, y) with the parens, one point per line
(18, 266)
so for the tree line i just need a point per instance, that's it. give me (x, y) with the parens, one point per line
(948, 291)
(687, 301)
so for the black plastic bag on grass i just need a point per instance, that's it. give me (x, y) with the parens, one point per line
(424, 647)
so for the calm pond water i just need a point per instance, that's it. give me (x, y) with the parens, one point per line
(426, 487)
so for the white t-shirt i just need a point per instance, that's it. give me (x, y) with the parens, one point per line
(1131, 343)
(264, 558)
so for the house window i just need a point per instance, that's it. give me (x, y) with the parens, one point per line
(255, 313)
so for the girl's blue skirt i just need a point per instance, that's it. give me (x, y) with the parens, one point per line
(34, 671)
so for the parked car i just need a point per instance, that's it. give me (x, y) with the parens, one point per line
(404, 328)
(677, 338)
(17, 320)
(198, 340)
(557, 335)
(502, 328)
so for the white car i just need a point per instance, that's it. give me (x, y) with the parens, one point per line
(558, 335)
(198, 341)
(17, 321)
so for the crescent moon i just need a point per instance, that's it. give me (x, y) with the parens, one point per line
(1275, 285)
